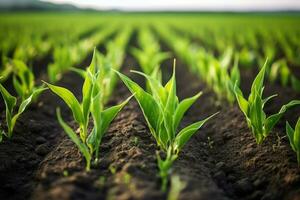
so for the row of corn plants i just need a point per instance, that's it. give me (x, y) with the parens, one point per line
(26, 89)
(149, 55)
(216, 72)
(97, 88)
(161, 107)
(27, 92)
(32, 42)
(160, 104)
(67, 56)
(24, 85)
(253, 108)
(279, 48)
(96, 82)
(99, 83)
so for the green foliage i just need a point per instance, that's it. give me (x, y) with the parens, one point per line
(24, 85)
(10, 107)
(149, 56)
(220, 79)
(68, 55)
(92, 105)
(279, 69)
(149, 61)
(23, 79)
(6, 69)
(216, 72)
(163, 113)
(294, 138)
(260, 124)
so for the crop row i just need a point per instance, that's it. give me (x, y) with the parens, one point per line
(160, 105)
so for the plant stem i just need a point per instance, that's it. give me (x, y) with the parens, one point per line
(83, 133)
(88, 165)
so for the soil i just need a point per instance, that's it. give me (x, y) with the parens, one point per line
(222, 161)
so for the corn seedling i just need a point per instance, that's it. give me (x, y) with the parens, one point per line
(67, 56)
(149, 61)
(149, 56)
(214, 71)
(163, 113)
(91, 105)
(220, 79)
(281, 70)
(253, 108)
(24, 85)
(5, 70)
(294, 138)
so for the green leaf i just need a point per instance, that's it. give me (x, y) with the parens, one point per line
(297, 135)
(37, 92)
(72, 135)
(182, 108)
(256, 115)
(290, 133)
(267, 99)
(243, 103)
(235, 72)
(158, 91)
(9, 100)
(23, 79)
(147, 103)
(273, 119)
(18, 86)
(94, 137)
(87, 90)
(70, 100)
(102, 121)
(259, 79)
(110, 113)
(185, 134)
(78, 71)
(171, 105)
(27, 101)
(23, 107)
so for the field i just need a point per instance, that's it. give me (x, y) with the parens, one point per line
(124, 121)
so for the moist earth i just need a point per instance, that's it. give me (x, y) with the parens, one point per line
(222, 161)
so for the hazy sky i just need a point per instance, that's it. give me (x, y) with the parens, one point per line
(186, 4)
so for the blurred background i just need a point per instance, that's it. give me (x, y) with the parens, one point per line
(154, 5)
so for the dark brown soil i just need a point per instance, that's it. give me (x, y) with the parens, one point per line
(127, 169)
(35, 135)
(241, 168)
(222, 161)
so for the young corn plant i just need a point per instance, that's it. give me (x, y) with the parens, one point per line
(253, 108)
(294, 138)
(149, 60)
(149, 56)
(92, 105)
(24, 85)
(63, 59)
(280, 70)
(5, 70)
(221, 79)
(163, 113)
